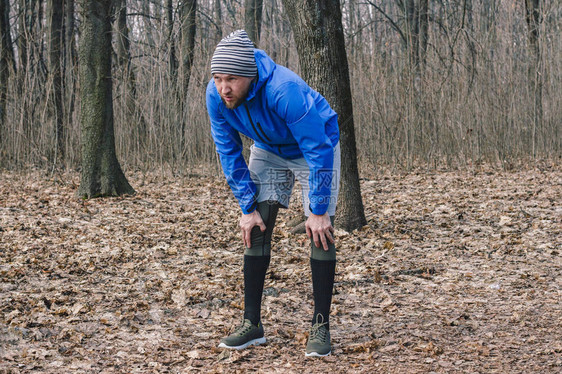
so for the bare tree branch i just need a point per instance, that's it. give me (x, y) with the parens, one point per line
(392, 23)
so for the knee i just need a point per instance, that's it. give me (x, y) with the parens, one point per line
(318, 253)
(261, 240)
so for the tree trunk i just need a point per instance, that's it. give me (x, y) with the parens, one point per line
(69, 30)
(532, 8)
(218, 21)
(318, 33)
(6, 60)
(70, 59)
(146, 23)
(30, 17)
(56, 48)
(127, 72)
(122, 37)
(188, 8)
(253, 18)
(38, 32)
(411, 15)
(188, 29)
(30, 63)
(101, 173)
(172, 61)
(274, 29)
(23, 34)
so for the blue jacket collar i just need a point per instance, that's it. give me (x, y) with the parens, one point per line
(266, 66)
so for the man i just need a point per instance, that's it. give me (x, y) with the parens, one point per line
(295, 135)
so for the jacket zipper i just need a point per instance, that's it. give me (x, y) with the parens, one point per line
(263, 132)
(254, 127)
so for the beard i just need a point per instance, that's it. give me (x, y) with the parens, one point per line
(234, 104)
(238, 100)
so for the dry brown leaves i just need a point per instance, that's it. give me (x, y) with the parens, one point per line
(455, 272)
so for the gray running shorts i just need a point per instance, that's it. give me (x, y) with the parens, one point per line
(275, 177)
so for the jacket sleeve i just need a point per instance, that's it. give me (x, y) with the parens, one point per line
(298, 109)
(229, 147)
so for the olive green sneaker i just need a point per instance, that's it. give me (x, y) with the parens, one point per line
(319, 339)
(244, 336)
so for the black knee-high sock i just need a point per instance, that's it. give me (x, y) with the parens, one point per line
(255, 268)
(323, 272)
(256, 261)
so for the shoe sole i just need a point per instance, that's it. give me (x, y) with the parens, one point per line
(316, 354)
(257, 341)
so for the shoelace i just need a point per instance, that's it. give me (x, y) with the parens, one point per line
(317, 332)
(244, 328)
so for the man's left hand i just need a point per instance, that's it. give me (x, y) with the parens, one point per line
(320, 230)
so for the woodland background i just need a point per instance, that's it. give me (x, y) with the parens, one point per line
(434, 82)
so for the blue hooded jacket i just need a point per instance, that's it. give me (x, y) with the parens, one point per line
(283, 115)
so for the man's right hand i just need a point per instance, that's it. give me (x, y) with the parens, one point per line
(247, 223)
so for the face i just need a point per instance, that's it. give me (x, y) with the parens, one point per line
(232, 89)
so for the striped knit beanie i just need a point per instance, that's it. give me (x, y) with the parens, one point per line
(235, 55)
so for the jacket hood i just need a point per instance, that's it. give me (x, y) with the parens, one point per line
(266, 66)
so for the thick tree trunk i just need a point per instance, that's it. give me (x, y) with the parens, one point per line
(56, 50)
(187, 11)
(6, 60)
(318, 32)
(252, 19)
(101, 173)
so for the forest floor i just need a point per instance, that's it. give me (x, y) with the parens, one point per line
(456, 272)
